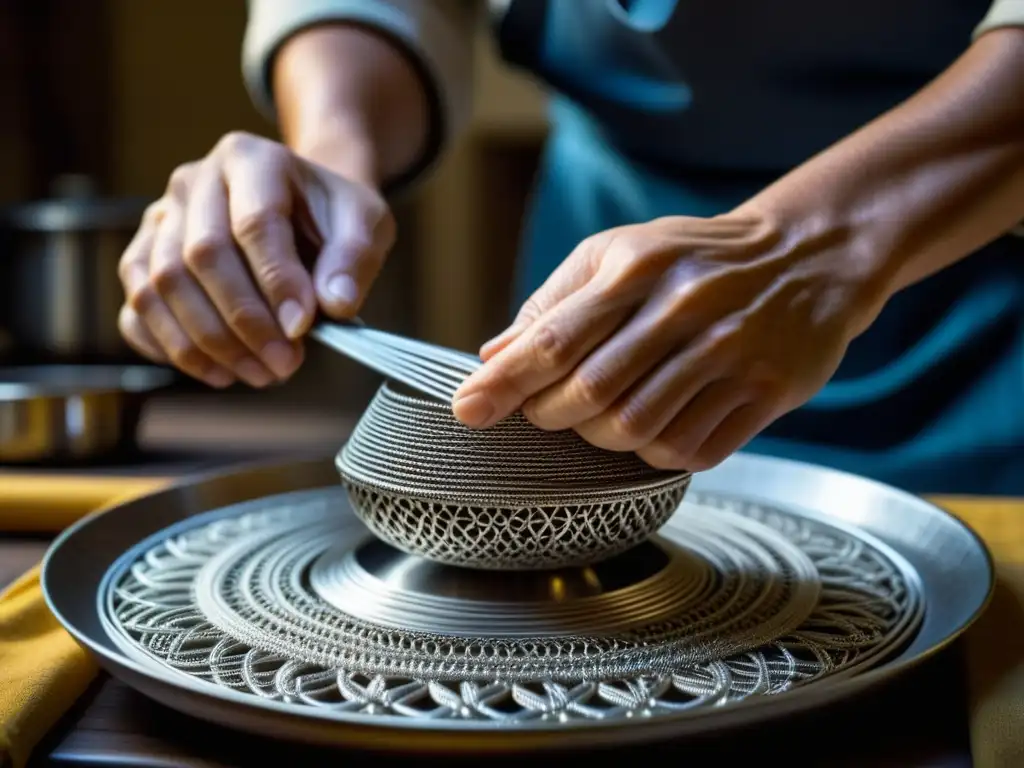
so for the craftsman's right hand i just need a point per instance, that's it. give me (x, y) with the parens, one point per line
(215, 280)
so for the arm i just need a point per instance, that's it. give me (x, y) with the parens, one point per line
(372, 89)
(675, 338)
(926, 184)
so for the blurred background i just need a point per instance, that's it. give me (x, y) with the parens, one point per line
(101, 99)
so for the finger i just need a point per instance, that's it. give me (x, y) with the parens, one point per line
(734, 432)
(678, 446)
(133, 267)
(195, 313)
(570, 276)
(144, 301)
(545, 353)
(174, 343)
(361, 234)
(212, 258)
(134, 331)
(640, 415)
(260, 205)
(609, 371)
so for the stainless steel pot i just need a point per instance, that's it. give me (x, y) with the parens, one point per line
(73, 413)
(60, 259)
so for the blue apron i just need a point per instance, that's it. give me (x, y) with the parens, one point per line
(930, 398)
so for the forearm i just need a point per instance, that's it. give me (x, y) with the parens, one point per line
(349, 99)
(375, 89)
(927, 183)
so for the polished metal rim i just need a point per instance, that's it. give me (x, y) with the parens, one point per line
(953, 567)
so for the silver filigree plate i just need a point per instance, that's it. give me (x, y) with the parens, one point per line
(270, 598)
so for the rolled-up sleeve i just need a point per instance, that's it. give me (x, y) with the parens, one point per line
(1002, 13)
(436, 33)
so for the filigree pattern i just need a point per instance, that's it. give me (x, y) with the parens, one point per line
(512, 497)
(228, 602)
(531, 535)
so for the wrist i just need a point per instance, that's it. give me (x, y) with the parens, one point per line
(342, 147)
(349, 99)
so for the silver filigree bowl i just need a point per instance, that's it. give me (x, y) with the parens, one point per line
(512, 497)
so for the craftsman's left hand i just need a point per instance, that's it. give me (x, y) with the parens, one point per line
(679, 339)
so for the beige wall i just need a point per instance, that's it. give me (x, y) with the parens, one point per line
(177, 87)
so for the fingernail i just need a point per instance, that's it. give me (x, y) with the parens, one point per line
(280, 358)
(219, 378)
(252, 373)
(343, 288)
(474, 410)
(291, 317)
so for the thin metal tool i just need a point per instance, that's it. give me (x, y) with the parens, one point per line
(431, 369)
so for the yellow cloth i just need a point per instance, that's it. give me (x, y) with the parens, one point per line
(42, 670)
(44, 503)
(995, 644)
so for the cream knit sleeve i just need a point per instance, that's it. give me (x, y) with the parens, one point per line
(436, 33)
(1002, 13)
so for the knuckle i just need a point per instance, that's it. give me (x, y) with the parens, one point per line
(661, 455)
(154, 212)
(249, 319)
(530, 311)
(187, 356)
(180, 179)
(618, 430)
(235, 142)
(125, 266)
(143, 299)
(681, 297)
(203, 254)
(218, 341)
(724, 338)
(127, 325)
(168, 278)
(279, 279)
(592, 390)
(630, 427)
(551, 348)
(628, 259)
(255, 227)
(536, 415)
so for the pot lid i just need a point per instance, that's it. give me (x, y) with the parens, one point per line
(75, 206)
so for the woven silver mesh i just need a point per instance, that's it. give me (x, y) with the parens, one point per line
(769, 600)
(511, 497)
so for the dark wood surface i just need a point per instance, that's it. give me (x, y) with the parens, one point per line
(918, 721)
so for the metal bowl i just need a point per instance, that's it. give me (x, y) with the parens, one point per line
(72, 413)
(512, 497)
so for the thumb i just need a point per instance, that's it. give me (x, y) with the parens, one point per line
(571, 275)
(360, 235)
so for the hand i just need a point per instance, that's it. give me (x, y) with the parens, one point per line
(679, 339)
(214, 279)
